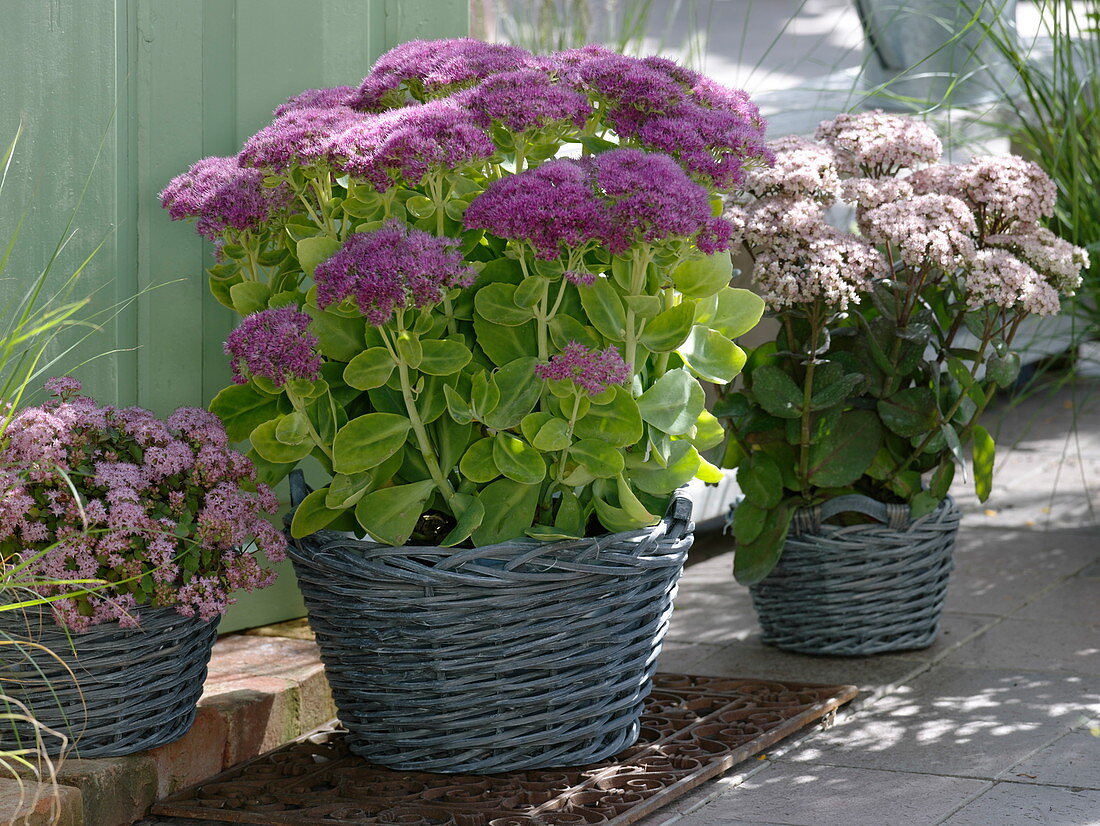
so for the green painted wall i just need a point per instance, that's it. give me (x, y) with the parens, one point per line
(151, 86)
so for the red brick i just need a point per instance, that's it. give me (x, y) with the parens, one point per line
(39, 804)
(116, 790)
(197, 755)
(259, 718)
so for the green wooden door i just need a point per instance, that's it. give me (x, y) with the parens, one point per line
(133, 92)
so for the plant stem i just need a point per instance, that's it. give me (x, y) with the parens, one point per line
(299, 407)
(807, 396)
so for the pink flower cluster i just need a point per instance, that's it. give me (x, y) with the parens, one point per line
(928, 230)
(163, 513)
(997, 277)
(875, 144)
(618, 198)
(274, 344)
(301, 135)
(390, 268)
(591, 370)
(222, 195)
(1058, 260)
(802, 169)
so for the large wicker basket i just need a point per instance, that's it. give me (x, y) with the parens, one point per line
(859, 589)
(518, 655)
(111, 691)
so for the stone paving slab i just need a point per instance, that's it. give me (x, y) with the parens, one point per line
(1034, 645)
(959, 722)
(796, 795)
(1018, 804)
(1071, 760)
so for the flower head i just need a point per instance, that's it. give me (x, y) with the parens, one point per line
(64, 387)
(1002, 190)
(392, 268)
(274, 344)
(591, 370)
(802, 169)
(549, 207)
(405, 144)
(525, 99)
(298, 136)
(931, 230)
(1059, 261)
(222, 195)
(650, 198)
(869, 193)
(422, 69)
(316, 99)
(876, 144)
(997, 277)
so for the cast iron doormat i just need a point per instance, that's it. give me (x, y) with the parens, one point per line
(694, 728)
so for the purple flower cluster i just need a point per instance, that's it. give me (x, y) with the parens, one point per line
(392, 268)
(618, 198)
(222, 195)
(525, 99)
(426, 68)
(163, 512)
(274, 344)
(591, 370)
(316, 99)
(405, 144)
(549, 207)
(298, 136)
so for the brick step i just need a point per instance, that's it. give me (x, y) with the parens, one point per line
(261, 691)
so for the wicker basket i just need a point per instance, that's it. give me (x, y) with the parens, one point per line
(134, 689)
(519, 655)
(861, 589)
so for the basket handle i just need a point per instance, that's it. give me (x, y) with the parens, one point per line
(811, 519)
(678, 517)
(299, 490)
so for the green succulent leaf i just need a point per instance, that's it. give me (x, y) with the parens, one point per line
(266, 443)
(312, 514)
(443, 357)
(249, 297)
(604, 308)
(760, 480)
(669, 329)
(368, 440)
(845, 450)
(369, 369)
(519, 390)
(753, 561)
(497, 303)
(703, 276)
(732, 311)
(910, 412)
(619, 422)
(242, 410)
(470, 513)
(983, 450)
(776, 392)
(509, 511)
(312, 251)
(390, 514)
(712, 356)
(597, 457)
(673, 403)
(517, 460)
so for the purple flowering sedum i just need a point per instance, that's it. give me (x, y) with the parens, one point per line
(163, 506)
(299, 136)
(590, 369)
(222, 196)
(274, 344)
(404, 145)
(316, 99)
(391, 268)
(524, 100)
(425, 68)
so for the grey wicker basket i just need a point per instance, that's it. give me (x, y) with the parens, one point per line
(115, 691)
(512, 656)
(859, 589)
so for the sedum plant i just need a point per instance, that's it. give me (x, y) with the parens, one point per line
(873, 385)
(481, 289)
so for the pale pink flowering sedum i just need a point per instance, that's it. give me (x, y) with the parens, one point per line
(932, 230)
(142, 505)
(1003, 191)
(876, 144)
(274, 344)
(997, 277)
(391, 268)
(591, 370)
(770, 218)
(823, 264)
(869, 193)
(222, 195)
(406, 144)
(421, 69)
(1059, 261)
(802, 169)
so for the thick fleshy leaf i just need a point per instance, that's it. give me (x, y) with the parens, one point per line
(389, 515)
(518, 460)
(293, 428)
(553, 435)
(369, 369)
(776, 392)
(519, 390)
(443, 357)
(732, 312)
(983, 450)
(503, 344)
(703, 276)
(345, 490)
(368, 440)
(249, 297)
(312, 251)
(844, 451)
(477, 463)
(496, 302)
(711, 355)
(338, 338)
(265, 442)
(468, 518)
(509, 511)
(604, 308)
(683, 463)
(752, 561)
(597, 457)
(313, 515)
(673, 403)
(669, 329)
(619, 422)
(242, 410)
(910, 412)
(760, 480)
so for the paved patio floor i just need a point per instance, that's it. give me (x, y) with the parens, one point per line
(998, 723)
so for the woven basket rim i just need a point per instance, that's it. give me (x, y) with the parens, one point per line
(946, 507)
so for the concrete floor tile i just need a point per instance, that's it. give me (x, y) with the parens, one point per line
(954, 628)
(999, 571)
(1017, 804)
(1033, 645)
(1076, 600)
(958, 721)
(1071, 760)
(714, 612)
(810, 795)
(1093, 571)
